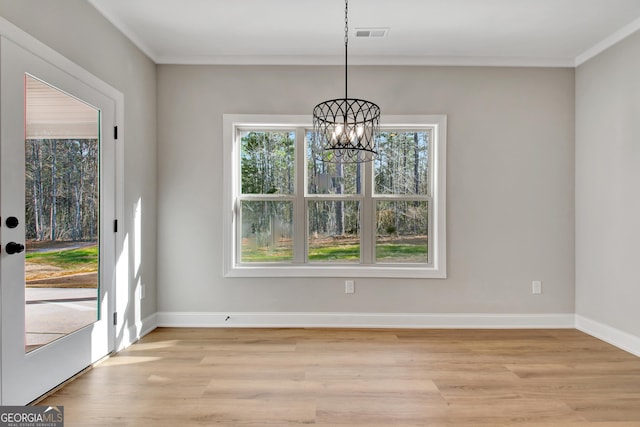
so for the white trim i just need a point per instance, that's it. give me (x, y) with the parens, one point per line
(400, 60)
(35, 46)
(148, 324)
(364, 320)
(437, 269)
(124, 29)
(134, 332)
(613, 336)
(609, 334)
(340, 271)
(607, 42)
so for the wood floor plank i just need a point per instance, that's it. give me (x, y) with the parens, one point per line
(351, 377)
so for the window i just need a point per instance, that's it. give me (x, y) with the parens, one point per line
(287, 213)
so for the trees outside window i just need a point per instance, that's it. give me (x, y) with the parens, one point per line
(267, 170)
(62, 189)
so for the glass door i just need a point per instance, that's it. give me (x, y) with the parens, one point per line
(57, 196)
(62, 214)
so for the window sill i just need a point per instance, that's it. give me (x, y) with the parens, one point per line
(372, 271)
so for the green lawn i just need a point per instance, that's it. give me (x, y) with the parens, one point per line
(277, 254)
(400, 250)
(76, 260)
(389, 252)
(337, 253)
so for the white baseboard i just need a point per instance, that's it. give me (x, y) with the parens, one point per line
(148, 324)
(136, 331)
(365, 320)
(611, 335)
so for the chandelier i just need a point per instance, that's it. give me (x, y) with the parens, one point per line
(346, 129)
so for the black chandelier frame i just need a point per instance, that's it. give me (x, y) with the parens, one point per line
(346, 129)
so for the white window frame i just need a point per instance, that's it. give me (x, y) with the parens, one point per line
(233, 123)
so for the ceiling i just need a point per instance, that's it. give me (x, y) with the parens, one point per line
(562, 33)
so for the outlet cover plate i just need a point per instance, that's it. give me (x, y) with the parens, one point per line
(349, 286)
(536, 287)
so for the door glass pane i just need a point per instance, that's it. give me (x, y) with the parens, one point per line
(62, 214)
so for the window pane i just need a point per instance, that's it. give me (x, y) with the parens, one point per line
(330, 177)
(267, 162)
(402, 165)
(402, 235)
(266, 231)
(334, 231)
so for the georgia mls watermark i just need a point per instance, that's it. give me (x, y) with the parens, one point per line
(31, 416)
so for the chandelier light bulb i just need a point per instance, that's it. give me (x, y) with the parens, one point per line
(337, 133)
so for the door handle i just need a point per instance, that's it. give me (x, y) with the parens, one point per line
(14, 248)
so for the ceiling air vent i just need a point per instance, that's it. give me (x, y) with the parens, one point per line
(371, 33)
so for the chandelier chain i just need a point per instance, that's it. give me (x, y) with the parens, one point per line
(346, 47)
(346, 22)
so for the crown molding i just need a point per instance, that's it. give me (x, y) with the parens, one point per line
(381, 60)
(126, 31)
(385, 60)
(607, 42)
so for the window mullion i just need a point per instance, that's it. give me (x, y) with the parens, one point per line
(368, 228)
(300, 205)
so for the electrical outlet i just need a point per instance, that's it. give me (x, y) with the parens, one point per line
(349, 286)
(536, 287)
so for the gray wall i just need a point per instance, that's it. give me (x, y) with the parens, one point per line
(607, 187)
(510, 172)
(510, 213)
(76, 30)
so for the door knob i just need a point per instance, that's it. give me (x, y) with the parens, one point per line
(14, 248)
(12, 222)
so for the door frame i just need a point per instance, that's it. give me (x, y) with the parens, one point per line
(120, 274)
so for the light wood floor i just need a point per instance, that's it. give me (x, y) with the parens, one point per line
(343, 377)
